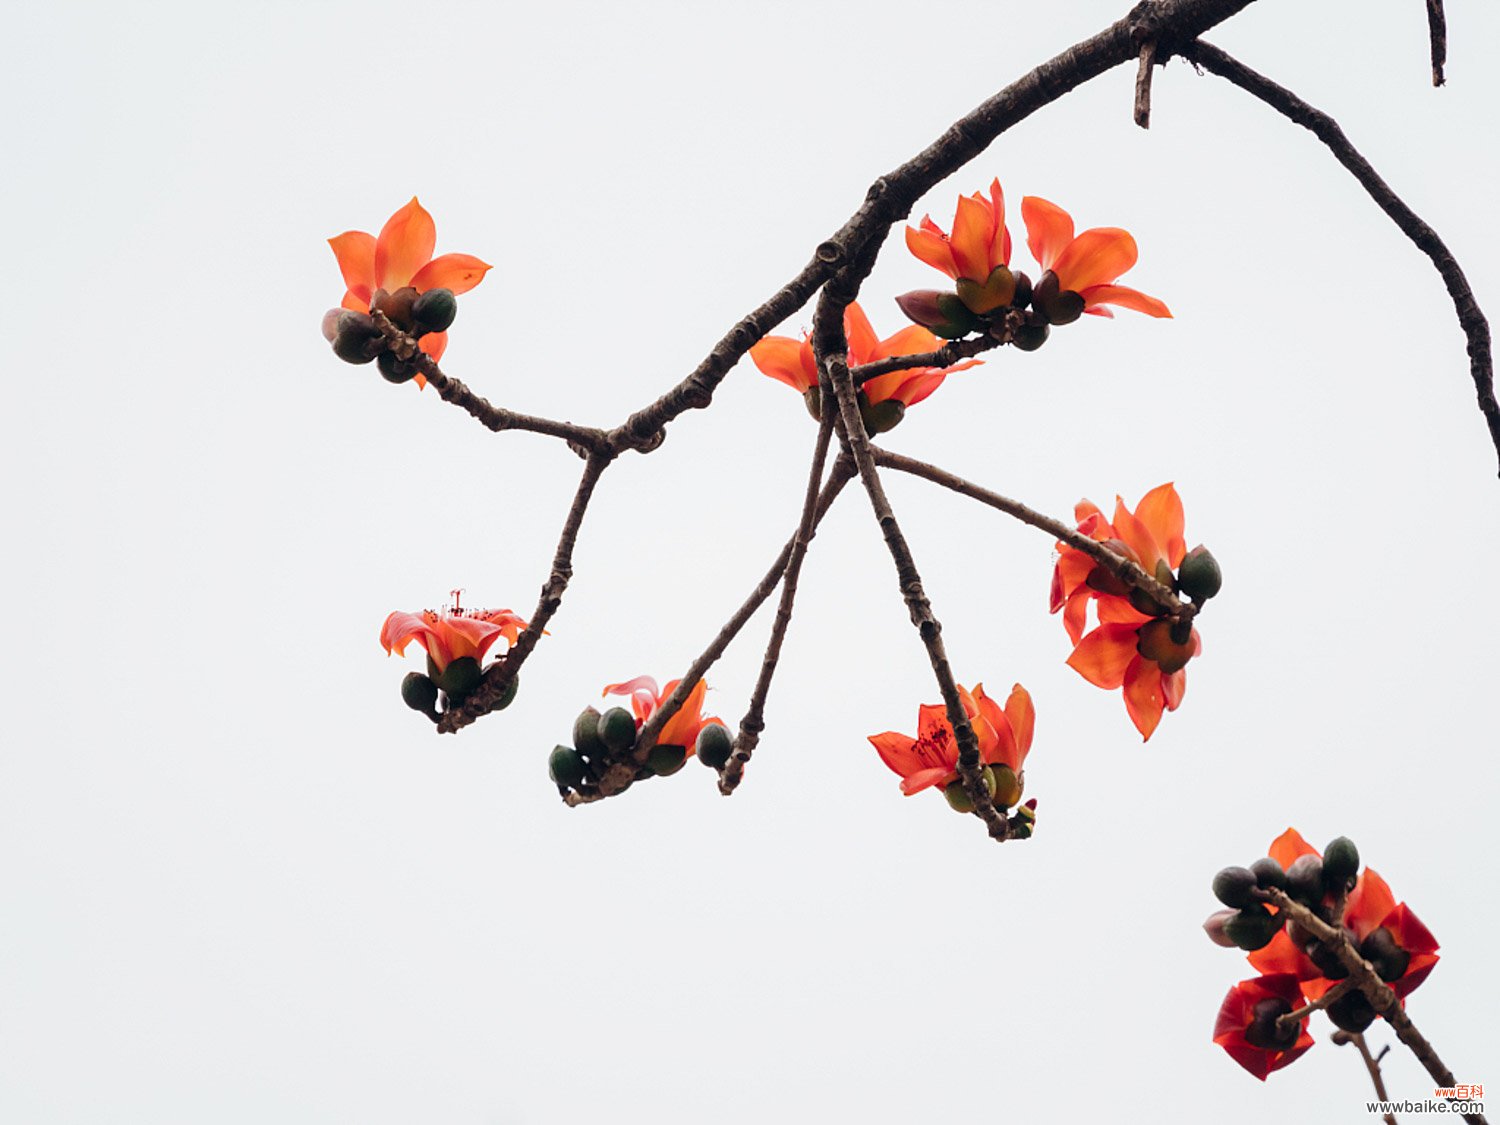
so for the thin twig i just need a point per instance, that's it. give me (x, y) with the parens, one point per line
(1437, 33)
(1372, 1065)
(583, 439)
(1381, 996)
(1143, 84)
(1326, 129)
(945, 356)
(1292, 1019)
(1125, 569)
(498, 678)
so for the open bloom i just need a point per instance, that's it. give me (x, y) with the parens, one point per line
(1087, 264)
(450, 636)
(683, 727)
(979, 244)
(1128, 649)
(1403, 955)
(1246, 1025)
(791, 361)
(402, 256)
(931, 758)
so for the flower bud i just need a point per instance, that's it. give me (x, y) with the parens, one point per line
(586, 733)
(460, 677)
(1389, 960)
(419, 692)
(565, 767)
(666, 759)
(812, 398)
(508, 696)
(1340, 865)
(355, 337)
(434, 311)
(1199, 576)
(331, 323)
(1029, 337)
(1057, 305)
(1008, 787)
(1304, 880)
(1155, 643)
(940, 312)
(1106, 581)
(396, 306)
(1234, 887)
(1264, 1033)
(714, 746)
(1022, 296)
(617, 729)
(1352, 1012)
(881, 417)
(396, 370)
(1326, 960)
(1213, 926)
(1268, 873)
(996, 291)
(1252, 928)
(958, 797)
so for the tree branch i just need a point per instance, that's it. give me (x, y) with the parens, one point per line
(945, 356)
(1437, 33)
(1326, 129)
(1372, 1065)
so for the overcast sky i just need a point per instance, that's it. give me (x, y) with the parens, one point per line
(243, 883)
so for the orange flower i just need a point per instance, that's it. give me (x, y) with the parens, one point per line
(1246, 1026)
(1129, 648)
(683, 727)
(932, 757)
(1086, 265)
(402, 256)
(1404, 954)
(791, 361)
(450, 636)
(980, 242)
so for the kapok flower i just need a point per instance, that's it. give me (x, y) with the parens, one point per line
(980, 242)
(1129, 649)
(450, 636)
(682, 728)
(791, 361)
(932, 757)
(400, 257)
(1246, 1026)
(1403, 954)
(1086, 266)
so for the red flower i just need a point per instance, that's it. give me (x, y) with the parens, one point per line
(932, 757)
(1088, 264)
(449, 636)
(791, 361)
(1246, 1026)
(1407, 945)
(683, 727)
(1129, 649)
(980, 242)
(402, 256)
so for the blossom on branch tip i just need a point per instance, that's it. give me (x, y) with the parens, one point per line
(1133, 646)
(792, 362)
(1246, 1024)
(450, 636)
(401, 258)
(683, 728)
(931, 758)
(1079, 273)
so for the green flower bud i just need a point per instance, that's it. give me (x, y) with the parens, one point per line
(997, 291)
(508, 696)
(395, 370)
(586, 733)
(941, 313)
(881, 417)
(434, 311)
(460, 677)
(1155, 643)
(1007, 788)
(1234, 887)
(1252, 928)
(666, 760)
(812, 398)
(714, 746)
(566, 768)
(1199, 576)
(617, 729)
(355, 337)
(419, 692)
(1352, 1012)
(958, 797)
(1340, 865)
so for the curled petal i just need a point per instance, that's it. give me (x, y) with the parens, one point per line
(458, 272)
(1095, 297)
(863, 343)
(1049, 229)
(405, 245)
(630, 687)
(931, 246)
(1021, 714)
(924, 779)
(787, 361)
(682, 728)
(1000, 241)
(972, 231)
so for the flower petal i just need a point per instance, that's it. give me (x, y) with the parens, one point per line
(1049, 229)
(1369, 903)
(1144, 697)
(404, 246)
(897, 751)
(782, 359)
(999, 254)
(1103, 656)
(682, 728)
(931, 247)
(1161, 511)
(861, 335)
(355, 251)
(458, 272)
(924, 779)
(970, 242)
(1095, 257)
(1021, 713)
(1097, 296)
(1287, 847)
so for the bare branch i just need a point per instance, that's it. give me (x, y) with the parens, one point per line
(1372, 1065)
(1437, 33)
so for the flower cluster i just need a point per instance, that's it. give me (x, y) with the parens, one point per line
(1134, 646)
(396, 275)
(1079, 272)
(605, 741)
(1297, 968)
(456, 641)
(931, 758)
(882, 400)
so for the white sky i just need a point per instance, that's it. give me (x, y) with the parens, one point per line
(243, 883)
